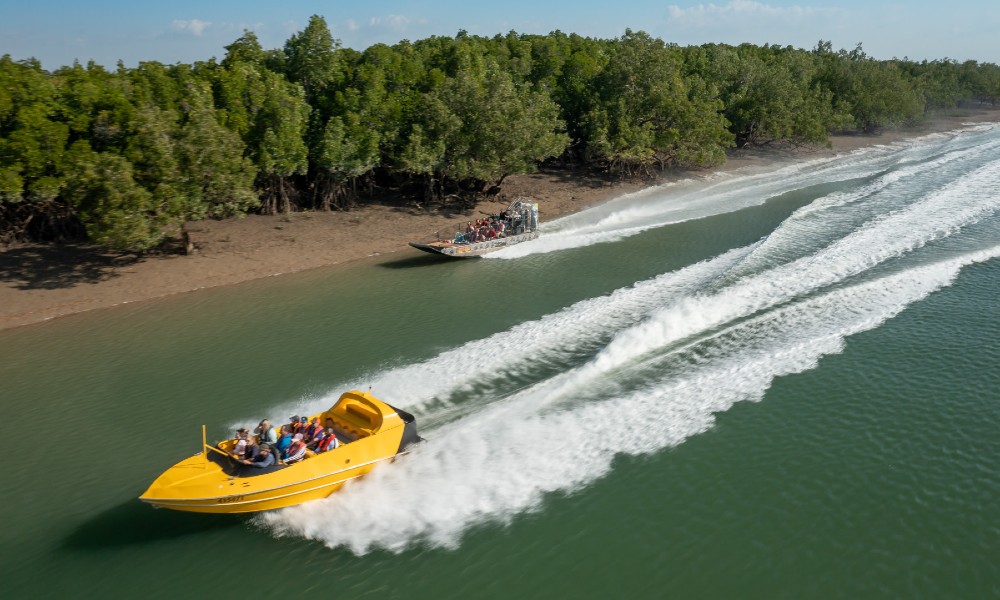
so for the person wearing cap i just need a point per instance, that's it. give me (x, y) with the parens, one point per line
(264, 458)
(296, 451)
(266, 434)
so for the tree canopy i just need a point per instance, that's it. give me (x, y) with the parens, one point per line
(125, 157)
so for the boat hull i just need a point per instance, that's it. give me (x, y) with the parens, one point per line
(452, 250)
(248, 496)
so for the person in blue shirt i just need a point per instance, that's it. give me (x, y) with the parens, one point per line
(285, 439)
(264, 458)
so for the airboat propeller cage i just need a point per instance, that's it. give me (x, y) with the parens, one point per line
(527, 211)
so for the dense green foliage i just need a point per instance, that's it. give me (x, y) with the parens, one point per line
(126, 157)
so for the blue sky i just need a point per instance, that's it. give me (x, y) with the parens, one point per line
(57, 32)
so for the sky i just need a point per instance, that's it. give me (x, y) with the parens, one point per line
(106, 31)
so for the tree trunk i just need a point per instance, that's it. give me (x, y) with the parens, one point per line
(186, 240)
(286, 204)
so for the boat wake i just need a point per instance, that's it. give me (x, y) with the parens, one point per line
(546, 406)
(698, 198)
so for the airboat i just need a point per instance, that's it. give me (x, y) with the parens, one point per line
(518, 223)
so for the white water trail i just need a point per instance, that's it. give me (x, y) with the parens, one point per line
(698, 198)
(501, 462)
(556, 339)
(553, 340)
(887, 236)
(734, 335)
(830, 216)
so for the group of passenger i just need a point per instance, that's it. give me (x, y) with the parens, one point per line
(489, 228)
(299, 439)
(482, 230)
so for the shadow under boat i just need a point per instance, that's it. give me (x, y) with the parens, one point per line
(132, 523)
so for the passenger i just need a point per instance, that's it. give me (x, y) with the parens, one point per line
(266, 434)
(265, 458)
(295, 424)
(329, 441)
(303, 425)
(252, 449)
(315, 440)
(296, 451)
(285, 439)
(241, 442)
(313, 430)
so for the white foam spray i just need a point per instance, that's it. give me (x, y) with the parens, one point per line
(501, 462)
(697, 198)
(732, 327)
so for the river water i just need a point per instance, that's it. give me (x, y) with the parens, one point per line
(780, 382)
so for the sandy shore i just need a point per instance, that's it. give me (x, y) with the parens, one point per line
(38, 283)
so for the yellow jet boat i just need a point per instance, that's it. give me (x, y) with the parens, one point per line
(369, 430)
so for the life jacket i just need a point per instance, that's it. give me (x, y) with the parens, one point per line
(328, 441)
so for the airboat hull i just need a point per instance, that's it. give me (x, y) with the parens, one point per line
(453, 250)
(519, 223)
